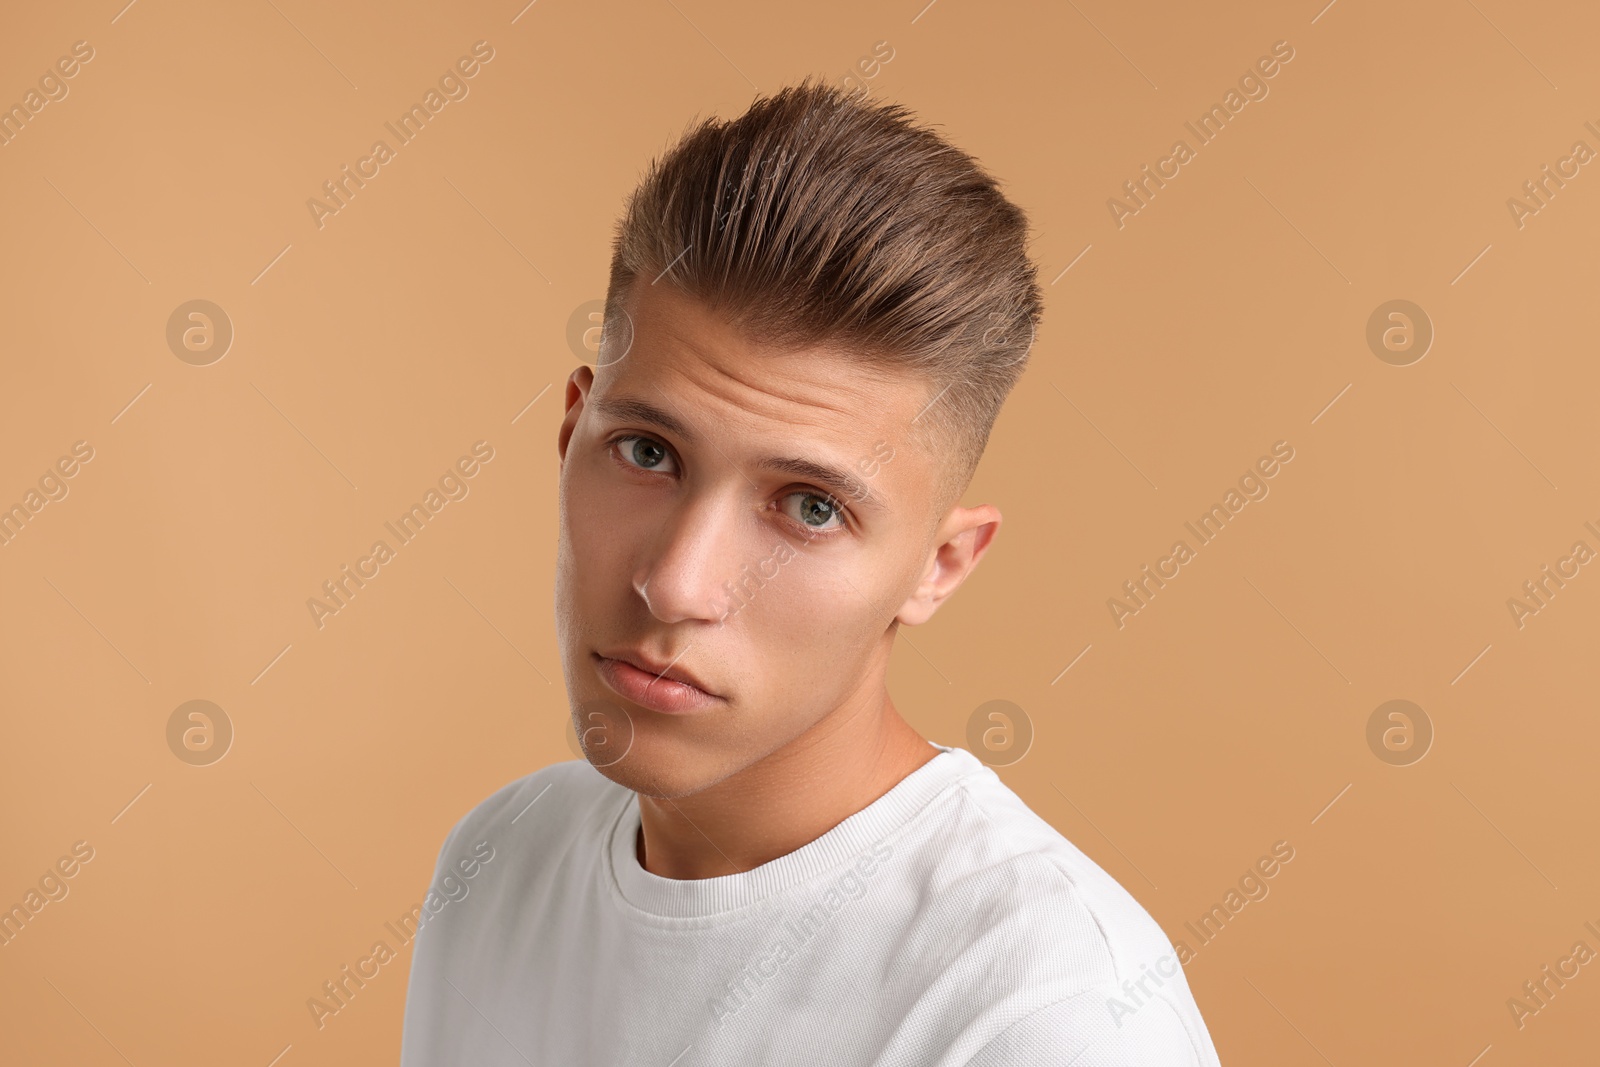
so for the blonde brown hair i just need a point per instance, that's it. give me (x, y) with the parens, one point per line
(819, 218)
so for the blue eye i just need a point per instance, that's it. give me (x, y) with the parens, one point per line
(816, 511)
(643, 452)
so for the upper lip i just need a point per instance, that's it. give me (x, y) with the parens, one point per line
(658, 667)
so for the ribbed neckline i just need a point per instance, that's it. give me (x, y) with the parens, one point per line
(695, 898)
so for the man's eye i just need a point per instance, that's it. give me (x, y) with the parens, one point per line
(815, 511)
(642, 452)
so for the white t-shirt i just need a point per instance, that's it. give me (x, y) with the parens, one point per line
(944, 925)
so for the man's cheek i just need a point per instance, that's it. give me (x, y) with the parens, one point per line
(593, 495)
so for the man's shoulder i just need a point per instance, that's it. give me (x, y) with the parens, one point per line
(1082, 954)
(554, 800)
(1034, 867)
(1023, 885)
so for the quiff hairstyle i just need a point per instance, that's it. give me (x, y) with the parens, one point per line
(819, 218)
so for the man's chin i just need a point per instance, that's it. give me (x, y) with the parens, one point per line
(657, 774)
(633, 774)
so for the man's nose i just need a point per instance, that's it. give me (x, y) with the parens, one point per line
(682, 574)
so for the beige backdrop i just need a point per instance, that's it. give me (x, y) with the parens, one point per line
(1244, 302)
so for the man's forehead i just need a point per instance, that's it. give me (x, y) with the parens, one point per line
(666, 325)
(704, 351)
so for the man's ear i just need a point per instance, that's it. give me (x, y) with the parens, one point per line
(577, 392)
(960, 542)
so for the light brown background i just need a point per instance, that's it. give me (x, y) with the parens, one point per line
(429, 313)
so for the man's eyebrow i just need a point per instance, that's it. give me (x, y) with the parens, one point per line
(847, 485)
(850, 488)
(631, 409)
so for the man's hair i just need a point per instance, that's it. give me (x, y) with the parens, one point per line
(820, 219)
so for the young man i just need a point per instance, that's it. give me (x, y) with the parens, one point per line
(815, 313)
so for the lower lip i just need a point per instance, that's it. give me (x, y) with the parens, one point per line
(651, 690)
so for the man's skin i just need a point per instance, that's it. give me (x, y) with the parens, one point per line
(805, 734)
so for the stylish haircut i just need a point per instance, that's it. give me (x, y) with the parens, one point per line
(819, 218)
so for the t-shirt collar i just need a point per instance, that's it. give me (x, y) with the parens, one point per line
(648, 895)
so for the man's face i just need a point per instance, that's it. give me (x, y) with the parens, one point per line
(689, 546)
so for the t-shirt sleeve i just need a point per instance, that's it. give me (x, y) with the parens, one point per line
(1094, 1029)
(440, 864)
(417, 1027)
(443, 865)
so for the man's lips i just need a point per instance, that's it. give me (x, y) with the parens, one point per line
(647, 689)
(668, 669)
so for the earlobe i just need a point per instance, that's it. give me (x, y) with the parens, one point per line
(919, 609)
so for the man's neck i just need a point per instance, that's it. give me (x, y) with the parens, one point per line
(787, 800)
